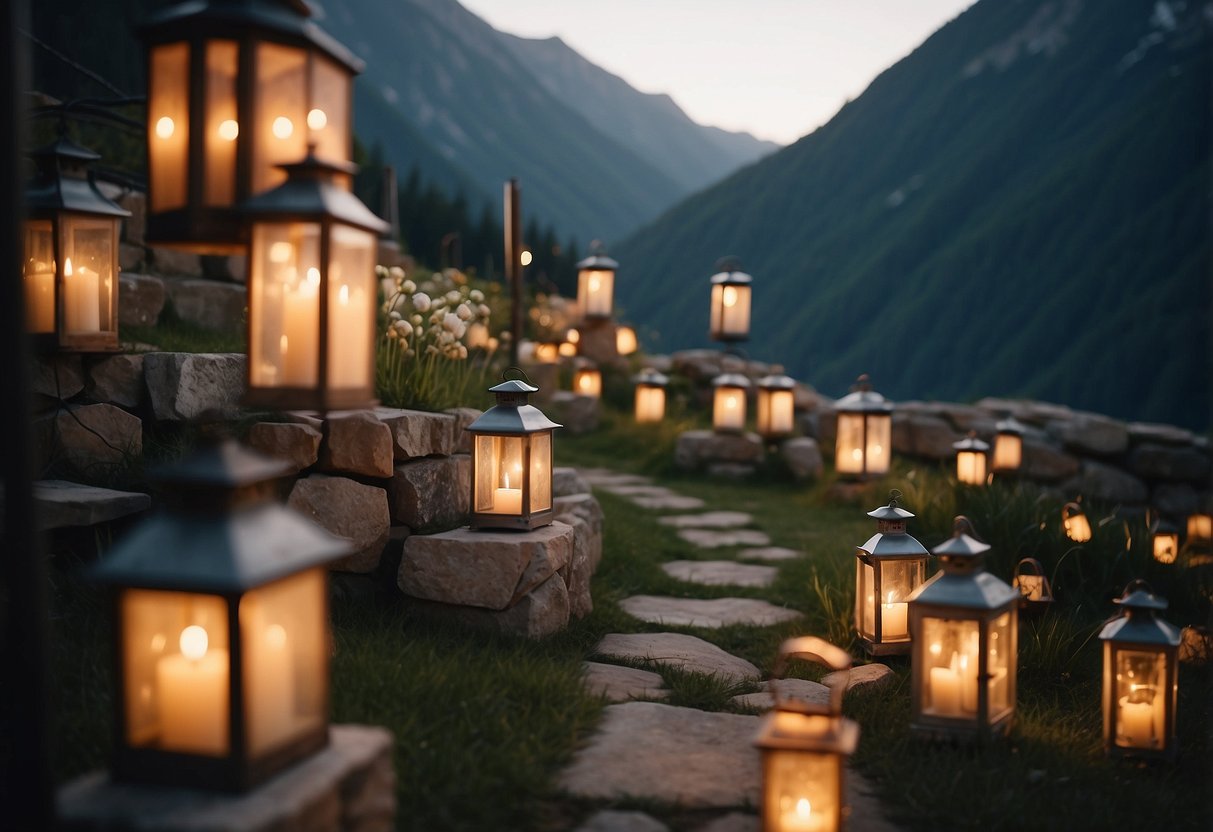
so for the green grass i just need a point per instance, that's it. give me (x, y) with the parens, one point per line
(171, 334)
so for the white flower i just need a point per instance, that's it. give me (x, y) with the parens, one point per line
(421, 301)
(391, 333)
(463, 351)
(451, 323)
(416, 319)
(453, 296)
(476, 295)
(431, 350)
(408, 287)
(464, 312)
(418, 331)
(388, 287)
(485, 311)
(396, 272)
(403, 328)
(394, 315)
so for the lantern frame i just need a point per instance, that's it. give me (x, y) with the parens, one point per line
(1163, 531)
(62, 196)
(204, 222)
(1073, 522)
(228, 537)
(1033, 583)
(807, 732)
(966, 596)
(721, 385)
(876, 415)
(775, 393)
(1140, 630)
(1007, 457)
(512, 417)
(589, 299)
(890, 548)
(975, 452)
(730, 283)
(650, 383)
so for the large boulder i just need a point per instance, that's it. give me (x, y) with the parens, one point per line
(117, 379)
(416, 433)
(295, 443)
(923, 434)
(1091, 433)
(56, 378)
(91, 435)
(697, 449)
(541, 612)
(348, 509)
(1153, 461)
(1175, 499)
(171, 261)
(579, 571)
(1164, 434)
(140, 299)
(208, 304)
(802, 455)
(566, 481)
(357, 443)
(431, 494)
(464, 416)
(183, 386)
(576, 413)
(1105, 482)
(1046, 462)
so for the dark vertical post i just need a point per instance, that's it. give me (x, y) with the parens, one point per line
(513, 262)
(25, 770)
(390, 200)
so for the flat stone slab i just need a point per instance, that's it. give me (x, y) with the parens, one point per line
(708, 520)
(801, 690)
(62, 504)
(678, 650)
(612, 820)
(683, 756)
(864, 677)
(713, 614)
(715, 539)
(720, 573)
(621, 684)
(769, 553)
(637, 490)
(732, 822)
(671, 502)
(604, 476)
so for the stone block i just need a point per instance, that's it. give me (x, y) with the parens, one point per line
(297, 444)
(924, 435)
(140, 299)
(63, 504)
(824, 426)
(1046, 462)
(1175, 499)
(170, 261)
(1104, 482)
(416, 433)
(131, 258)
(579, 571)
(598, 343)
(576, 413)
(539, 613)
(1163, 434)
(485, 569)
(56, 377)
(617, 683)
(862, 677)
(357, 443)
(731, 470)
(208, 304)
(585, 507)
(1090, 433)
(134, 227)
(802, 455)
(1153, 461)
(615, 820)
(431, 494)
(183, 386)
(90, 435)
(566, 482)
(348, 509)
(696, 449)
(464, 416)
(689, 653)
(117, 379)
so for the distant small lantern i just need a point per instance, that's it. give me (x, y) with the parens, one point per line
(566, 349)
(1008, 446)
(235, 91)
(221, 635)
(1164, 536)
(730, 314)
(1035, 593)
(963, 624)
(596, 284)
(971, 460)
(1140, 681)
(625, 340)
(728, 402)
(804, 748)
(512, 461)
(650, 396)
(587, 381)
(1075, 523)
(776, 409)
(1200, 528)
(311, 293)
(865, 432)
(70, 261)
(547, 352)
(889, 567)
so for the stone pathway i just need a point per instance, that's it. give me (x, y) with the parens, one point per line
(713, 614)
(768, 553)
(800, 690)
(677, 650)
(716, 539)
(617, 683)
(708, 520)
(720, 573)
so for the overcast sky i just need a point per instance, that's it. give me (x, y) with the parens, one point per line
(776, 68)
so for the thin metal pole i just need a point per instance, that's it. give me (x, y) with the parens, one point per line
(513, 262)
(25, 769)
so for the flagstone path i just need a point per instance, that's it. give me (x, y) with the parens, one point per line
(720, 573)
(713, 614)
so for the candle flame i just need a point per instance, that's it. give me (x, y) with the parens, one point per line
(165, 127)
(229, 129)
(804, 809)
(936, 649)
(313, 276)
(194, 642)
(317, 119)
(282, 127)
(505, 479)
(343, 294)
(890, 597)
(67, 267)
(282, 344)
(729, 296)
(595, 284)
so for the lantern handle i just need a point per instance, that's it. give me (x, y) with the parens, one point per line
(520, 371)
(1032, 562)
(894, 496)
(819, 650)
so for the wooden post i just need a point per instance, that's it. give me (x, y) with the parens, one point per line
(513, 262)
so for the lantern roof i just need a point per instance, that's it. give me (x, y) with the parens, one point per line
(731, 380)
(962, 544)
(65, 183)
(892, 511)
(1011, 425)
(971, 443)
(964, 583)
(777, 381)
(863, 399)
(513, 414)
(731, 278)
(1140, 624)
(598, 261)
(1163, 526)
(309, 193)
(893, 545)
(652, 378)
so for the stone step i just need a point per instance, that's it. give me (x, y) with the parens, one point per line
(62, 504)
(712, 614)
(801, 690)
(769, 553)
(677, 650)
(620, 684)
(708, 520)
(719, 538)
(720, 573)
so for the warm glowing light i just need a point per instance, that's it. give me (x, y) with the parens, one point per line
(194, 642)
(313, 276)
(573, 336)
(165, 127)
(67, 267)
(317, 120)
(275, 635)
(595, 283)
(343, 294)
(229, 130)
(730, 403)
(730, 296)
(804, 809)
(525, 258)
(158, 642)
(283, 127)
(936, 648)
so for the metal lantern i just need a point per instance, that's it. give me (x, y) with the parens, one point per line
(889, 567)
(728, 402)
(865, 432)
(1140, 680)
(587, 381)
(547, 352)
(730, 314)
(1075, 523)
(971, 460)
(1164, 536)
(963, 624)
(512, 461)
(804, 748)
(221, 636)
(625, 340)
(1035, 593)
(70, 259)
(1200, 528)
(650, 396)
(1008, 446)
(311, 293)
(596, 283)
(236, 89)
(776, 409)
(567, 349)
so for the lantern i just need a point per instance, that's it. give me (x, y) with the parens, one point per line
(512, 462)
(311, 293)
(221, 637)
(1140, 681)
(865, 432)
(971, 460)
(776, 406)
(963, 624)
(566, 349)
(1165, 540)
(547, 352)
(728, 402)
(1008, 446)
(587, 381)
(625, 340)
(596, 283)
(1200, 528)
(804, 748)
(650, 396)
(730, 314)
(1074, 522)
(478, 336)
(1035, 592)
(236, 89)
(889, 567)
(70, 261)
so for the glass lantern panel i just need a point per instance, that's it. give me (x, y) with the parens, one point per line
(541, 471)
(285, 643)
(898, 580)
(499, 474)
(999, 666)
(1166, 547)
(949, 651)
(776, 410)
(801, 791)
(625, 340)
(222, 122)
(595, 288)
(728, 411)
(1200, 527)
(351, 307)
(1077, 528)
(38, 275)
(730, 311)
(848, 454)
(588, 383)
(88, 273)
(279, 113)
(176, 666)
(650, 404)
(971, 467)
(547, 353)
(865, 599)
(1008, 452)
(328, 120)
(284, 292)
(1141, 699)
(168, 146)
(880, 440)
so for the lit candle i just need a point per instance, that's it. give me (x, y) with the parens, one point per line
(82, 312)
(1137, 723)
(193, 693)
(734, 315)
(301, 321)
(801, 818)
(732, 415)
(893, 618)
(945, 691)
(507, 500)
(349, 325)
(40, 298)
(272, 703)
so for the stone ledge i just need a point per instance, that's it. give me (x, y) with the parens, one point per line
(61, 504)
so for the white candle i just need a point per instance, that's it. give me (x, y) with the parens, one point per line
(40, 299)
(193, 694)
(893, 617)
(301, 320)
(967, 668)
(273, 683)
(82, 287)
(349, 322)
(1137, 723)
(801, 817)
(507, 500)
(945, 691)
